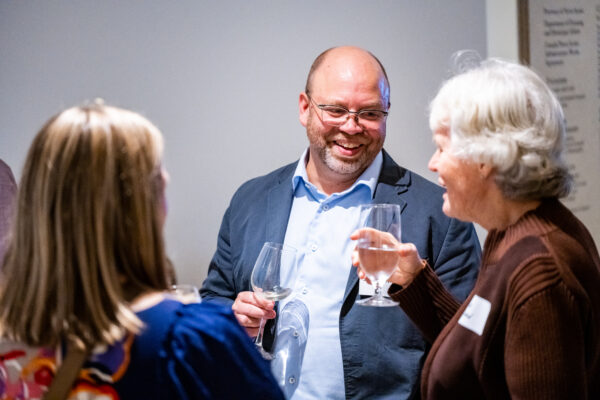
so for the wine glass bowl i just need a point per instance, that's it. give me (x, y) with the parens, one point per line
(377, 260)
(186, 293)
(377, 252)
(278, 293)
(273, 278)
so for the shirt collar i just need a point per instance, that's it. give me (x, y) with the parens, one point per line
(368, 178)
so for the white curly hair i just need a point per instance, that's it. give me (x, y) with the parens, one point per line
(503, 114)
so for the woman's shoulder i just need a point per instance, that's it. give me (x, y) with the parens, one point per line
(170, 326)
(204, 347)
(170, 319)
(206, 322)
(546, 266)
(183, 313)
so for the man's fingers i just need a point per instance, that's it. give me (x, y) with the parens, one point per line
(249, 309)
(250, 324)
(252, 332)
(252, 311)
(261, 302)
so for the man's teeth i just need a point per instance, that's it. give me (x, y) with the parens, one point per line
(349, 146)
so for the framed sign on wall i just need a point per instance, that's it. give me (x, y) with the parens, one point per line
(560, 39)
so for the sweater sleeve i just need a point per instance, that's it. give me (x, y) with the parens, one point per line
(427, 302)
(545, 343)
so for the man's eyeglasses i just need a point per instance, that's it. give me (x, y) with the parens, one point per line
(338, 115)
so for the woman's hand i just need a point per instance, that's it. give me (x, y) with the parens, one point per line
(409, 262)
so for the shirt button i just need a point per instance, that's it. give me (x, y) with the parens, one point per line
(325, 207)
(314, 247)
(304, 291)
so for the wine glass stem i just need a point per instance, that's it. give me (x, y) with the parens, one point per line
(377, 290)
(259, 336)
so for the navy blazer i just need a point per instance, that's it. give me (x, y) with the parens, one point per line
(382, 350)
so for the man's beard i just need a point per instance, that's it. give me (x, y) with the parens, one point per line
(341, 166)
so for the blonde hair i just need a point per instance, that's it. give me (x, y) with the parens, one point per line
(88, 229)
(503, 114)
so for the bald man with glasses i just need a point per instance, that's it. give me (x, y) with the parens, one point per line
(351, 351)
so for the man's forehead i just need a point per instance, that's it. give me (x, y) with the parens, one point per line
(348, 75)
(348, 61)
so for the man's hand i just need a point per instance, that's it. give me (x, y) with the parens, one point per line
(249, 309)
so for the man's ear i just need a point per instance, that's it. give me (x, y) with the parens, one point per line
(303, 108)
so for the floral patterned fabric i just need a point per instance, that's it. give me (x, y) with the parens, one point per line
(26, 373)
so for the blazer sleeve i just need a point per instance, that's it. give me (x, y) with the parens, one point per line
(458, 259)
(258, 212)
(219, 285)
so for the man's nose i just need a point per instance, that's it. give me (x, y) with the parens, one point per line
(351, 126)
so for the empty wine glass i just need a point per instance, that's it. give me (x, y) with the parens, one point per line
(186, 293)
(377, 254)
(273, 278)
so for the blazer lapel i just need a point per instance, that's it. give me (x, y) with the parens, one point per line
(393, 181)
(279, 205)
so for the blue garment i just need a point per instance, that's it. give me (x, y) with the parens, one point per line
(317, 225)
(194, 351)
(383, 352)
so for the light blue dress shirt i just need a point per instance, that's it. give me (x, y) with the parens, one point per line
(319, 228)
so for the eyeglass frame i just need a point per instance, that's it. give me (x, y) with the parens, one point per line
(354, 114)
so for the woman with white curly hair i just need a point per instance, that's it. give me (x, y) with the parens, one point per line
(531, 326)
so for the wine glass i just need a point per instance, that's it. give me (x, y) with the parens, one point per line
(273, 278)
(376, 251)
(186, 293)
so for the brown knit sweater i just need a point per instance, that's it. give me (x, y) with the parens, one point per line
(530, 329)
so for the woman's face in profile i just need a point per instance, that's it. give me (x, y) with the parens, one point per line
(461, 179)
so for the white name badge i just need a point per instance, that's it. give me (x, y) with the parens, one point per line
(364, 289)
(476, 314)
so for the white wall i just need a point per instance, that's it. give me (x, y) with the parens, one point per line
(502, 29)
(221, 80)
